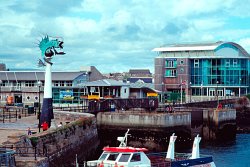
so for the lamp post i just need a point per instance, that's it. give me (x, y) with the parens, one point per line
(181, 90)
(39, 84)
(0, 91)
(239, 87)
(217, 93)
(190, 83)
(201, 91)
(162, 92)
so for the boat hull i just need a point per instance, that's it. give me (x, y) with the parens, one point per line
(198, 162)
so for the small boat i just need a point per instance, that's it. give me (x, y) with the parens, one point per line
(124, 156)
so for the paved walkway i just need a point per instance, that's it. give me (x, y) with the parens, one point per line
(19, 126)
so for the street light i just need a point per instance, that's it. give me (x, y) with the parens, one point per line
(162, 93)
(0, 91)
(217, 93)
(201, 90)
(39, 84)
(239, 87)
(190, 91)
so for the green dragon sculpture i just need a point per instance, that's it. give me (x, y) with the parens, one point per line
(48, 48)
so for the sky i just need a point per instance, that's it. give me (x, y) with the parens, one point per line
(115, 35)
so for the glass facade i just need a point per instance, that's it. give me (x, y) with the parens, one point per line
(211, 71)
(227, 72)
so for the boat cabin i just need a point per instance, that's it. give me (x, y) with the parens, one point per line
(122, 157)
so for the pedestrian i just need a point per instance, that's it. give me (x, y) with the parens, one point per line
(29, 131)
(45, 126)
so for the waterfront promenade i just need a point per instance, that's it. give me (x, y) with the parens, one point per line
(20, 126)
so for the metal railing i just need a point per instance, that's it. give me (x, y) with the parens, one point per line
(25, 151)
(102, 105)
(14, 113)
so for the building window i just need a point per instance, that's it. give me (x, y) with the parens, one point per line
(61, 83)
(171, 73)
(235, 62)
(182, 62)
(171, 63)
(29, 83)
(196, 63)
(227, 64)
(56, 83)
(6, 83)
(68, 83)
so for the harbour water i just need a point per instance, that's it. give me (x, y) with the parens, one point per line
(225, 154)
(230, 153)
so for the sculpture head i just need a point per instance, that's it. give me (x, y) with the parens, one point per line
(49, 47)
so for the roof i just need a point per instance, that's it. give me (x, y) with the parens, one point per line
(104, 82)
(124, 149)
(140, 85)
(144, 79)
(139, 71)
(37, 75)
(196, 47)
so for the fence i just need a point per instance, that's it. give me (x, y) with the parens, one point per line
(14, 113)
(102, 105)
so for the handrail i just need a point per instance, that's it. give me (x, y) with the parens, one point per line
(27, 151)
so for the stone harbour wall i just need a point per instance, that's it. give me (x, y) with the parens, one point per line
(144, 120)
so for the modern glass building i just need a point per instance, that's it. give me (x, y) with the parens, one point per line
(204, 71)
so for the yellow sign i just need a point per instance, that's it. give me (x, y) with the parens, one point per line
(68, 98)
(152, 94)
(92, 97)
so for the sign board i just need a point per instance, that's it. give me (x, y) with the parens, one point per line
(93, 97)
(66, 95)
(152, 94)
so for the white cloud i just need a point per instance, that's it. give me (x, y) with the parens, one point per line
(114, 35)
(245, 43)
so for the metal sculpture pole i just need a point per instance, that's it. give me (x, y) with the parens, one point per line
(48, 49)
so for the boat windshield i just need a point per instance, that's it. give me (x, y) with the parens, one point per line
(136, 157)
(103, 156)
(113, 156)
(124, 157)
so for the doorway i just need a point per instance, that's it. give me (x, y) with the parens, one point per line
(18, 98)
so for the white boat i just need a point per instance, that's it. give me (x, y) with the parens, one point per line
(124, 156)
